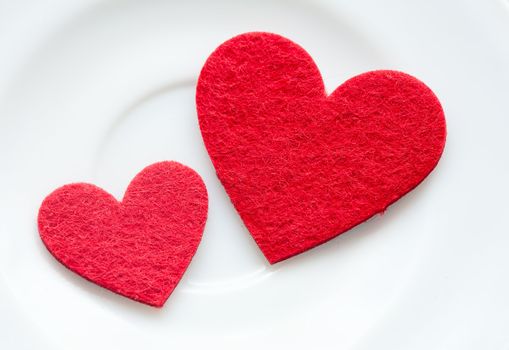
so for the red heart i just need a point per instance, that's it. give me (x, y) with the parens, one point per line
(139, 247)
(301, 166)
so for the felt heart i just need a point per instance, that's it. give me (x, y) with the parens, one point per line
(301, 166)
(139, 247)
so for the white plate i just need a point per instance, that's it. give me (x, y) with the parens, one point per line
(96, 90)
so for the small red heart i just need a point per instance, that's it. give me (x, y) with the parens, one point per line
(139, 247)
(301, 166)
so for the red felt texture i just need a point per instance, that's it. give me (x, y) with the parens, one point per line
(139, 247)
(301, 166)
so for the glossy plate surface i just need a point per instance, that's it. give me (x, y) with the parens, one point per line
(96, 90)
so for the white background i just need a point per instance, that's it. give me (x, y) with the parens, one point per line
(96, 90)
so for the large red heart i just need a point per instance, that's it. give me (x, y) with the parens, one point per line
(301, 166)
(139, 247)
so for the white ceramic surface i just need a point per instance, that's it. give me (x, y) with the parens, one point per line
(96, 90)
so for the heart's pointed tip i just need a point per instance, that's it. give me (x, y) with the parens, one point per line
(273, 261)
(275, 258)
(158, 305)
